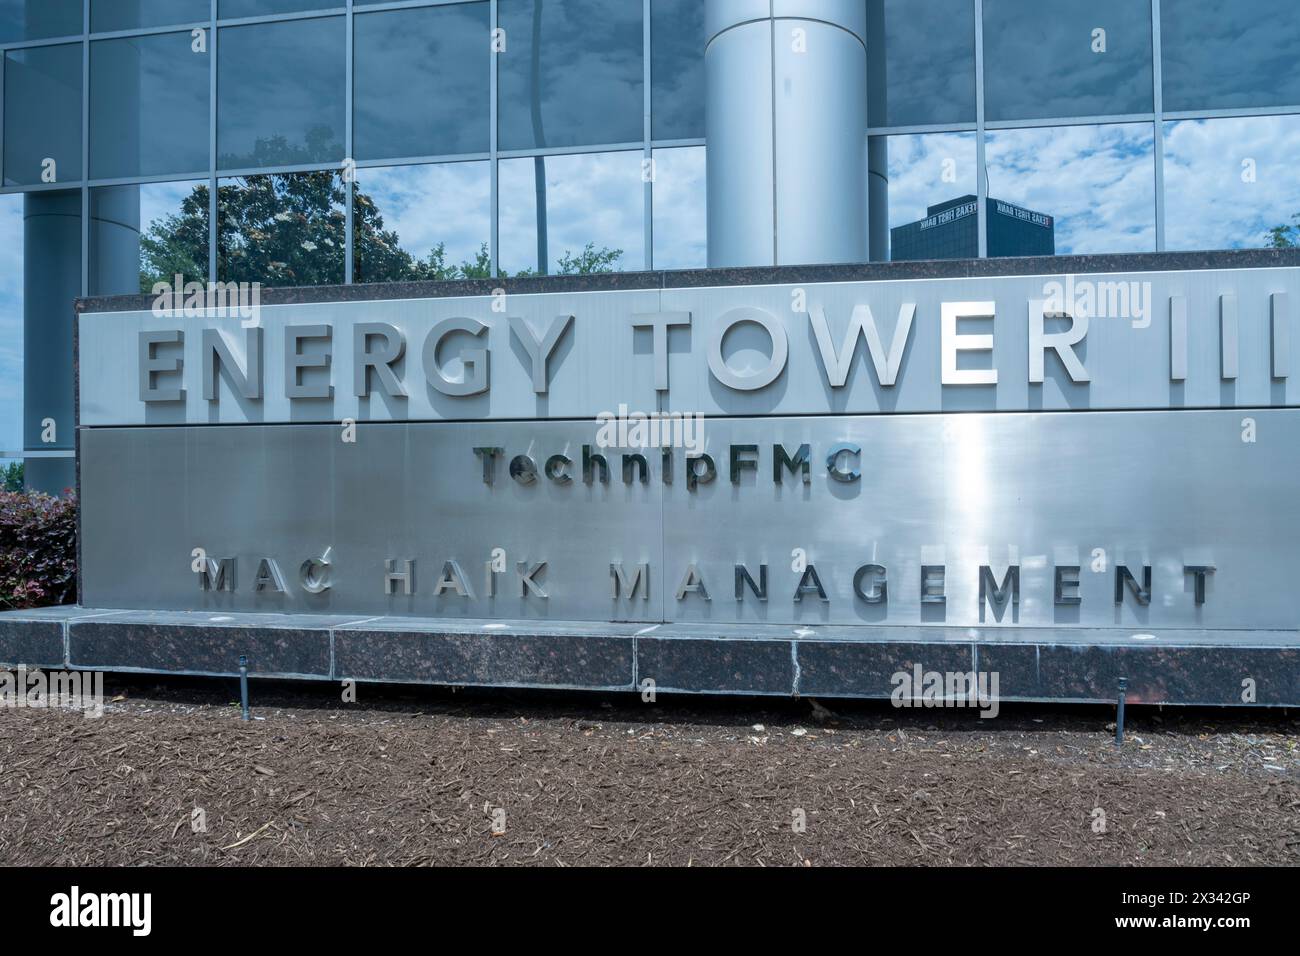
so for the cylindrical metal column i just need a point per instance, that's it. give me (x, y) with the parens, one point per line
(51, 282)
(786, 108)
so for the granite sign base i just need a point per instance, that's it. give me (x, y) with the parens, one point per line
(1176, 667)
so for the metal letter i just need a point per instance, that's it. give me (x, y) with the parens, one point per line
(801, 460)
(489, 456)
(294, 360)
(555, 469)
(1123, 578)
(693, 583)
(1177, 338)
(1280, 323)
(217, 355)
(268, 576)
(1062, 343)
(933, 577)
(833, 462)
(527, 580)
(1200, 571)
(694, 477)
(150, 365)
(363, 360)
(523, 469)
(743, 579)
(953, 342)
(739, 464)
(1228, 338)
(862, 323)
(990, 588)
(539, 350)
(660, 323)
(750, 381)
(454, 578)
(810, 583)
(476, 361)
(638, 463)
(1066, 579)
(620, 584)
(394, 577)
(217, 575)
(878, 593)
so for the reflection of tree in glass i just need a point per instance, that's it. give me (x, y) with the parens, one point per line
(290, 229)
(1285, 236)
(11, 477)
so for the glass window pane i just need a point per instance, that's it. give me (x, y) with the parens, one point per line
(281, 93)
(571, 73)
(927, 73)
(1093, 187)
(1226, 55)
(1232, 183)
(43, 115)
(933, 211)
(39, 19)
(233, 9)
(283, 229)
(677, 69)
(421, 82)
(593, 208)
(680, 201)
(142, 235)
(107, 15)
(133, 83)
(422, 222)
(1067, 59)
(11, 324)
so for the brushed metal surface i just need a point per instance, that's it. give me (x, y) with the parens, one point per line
(602, 361)
(1167, 489)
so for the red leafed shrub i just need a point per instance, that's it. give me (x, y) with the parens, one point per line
(38, 550)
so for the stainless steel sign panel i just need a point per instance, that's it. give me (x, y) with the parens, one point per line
(359, 512)
(1161, 340)
(1080, 505)
(1078, 494)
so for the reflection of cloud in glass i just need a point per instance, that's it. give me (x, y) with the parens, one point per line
(1229, 55)
(421, 82)
(595, 197)
(1208, 205)
(929, 63)
(281, 80)
(1040, 59)
(11, 322)
(590, 73)
(927, 169)
(160, 200)
(677, 68)
(680, 231)
(1097, 181)
(425, 205)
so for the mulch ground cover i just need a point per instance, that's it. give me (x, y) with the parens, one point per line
(171, 775)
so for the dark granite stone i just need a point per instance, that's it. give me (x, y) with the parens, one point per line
(199, 648)
(1156, 673)
(513, 660)
(716, 666)
(696, 278)
(31, 642)
(1184, 667)
(866, 669)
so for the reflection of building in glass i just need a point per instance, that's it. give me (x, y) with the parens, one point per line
(950, 230)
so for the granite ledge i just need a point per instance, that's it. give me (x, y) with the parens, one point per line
(753, 275)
